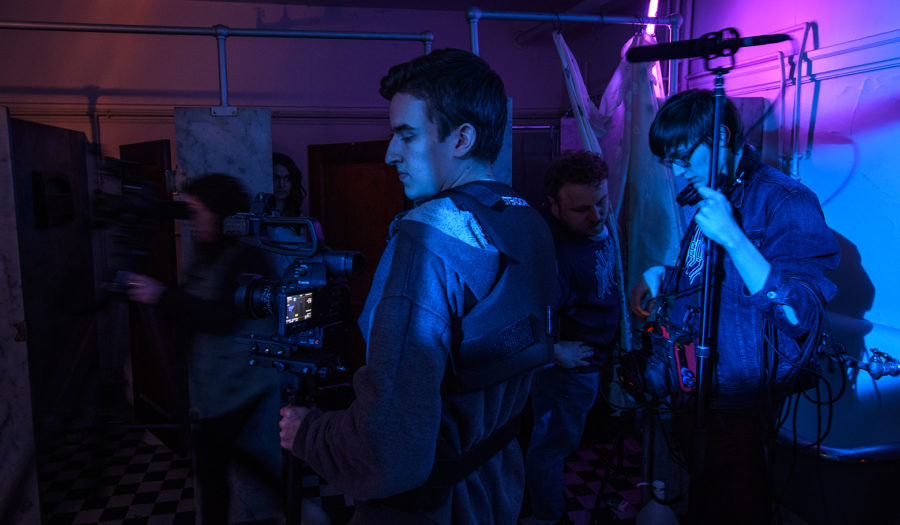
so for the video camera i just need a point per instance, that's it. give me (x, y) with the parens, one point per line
(310, 300)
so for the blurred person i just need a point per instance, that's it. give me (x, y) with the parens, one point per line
(233, 405)
(455, 322)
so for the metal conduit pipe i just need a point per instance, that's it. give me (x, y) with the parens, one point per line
(220, 32)
(790, 160)
(781, 124)
(801, 58)
(673, 64)
(426, 36)
(552, 17)
(474, 14)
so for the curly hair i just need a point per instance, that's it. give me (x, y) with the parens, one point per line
(575, 167)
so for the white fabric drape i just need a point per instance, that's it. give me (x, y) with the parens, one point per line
(587, 117)
(642, 194)
(590, 123)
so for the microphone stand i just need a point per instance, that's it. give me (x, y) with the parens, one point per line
(711, 46)
(705, 352)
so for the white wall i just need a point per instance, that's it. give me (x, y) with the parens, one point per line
(849, 128)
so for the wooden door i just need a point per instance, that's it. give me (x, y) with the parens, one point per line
(19, 501)
(355, 195)
(150, 162)
(52, 213)
(159, 374)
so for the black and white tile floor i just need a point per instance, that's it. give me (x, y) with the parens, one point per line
(113, 476)
(121, 476)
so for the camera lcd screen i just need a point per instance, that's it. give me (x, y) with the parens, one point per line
(298, 308)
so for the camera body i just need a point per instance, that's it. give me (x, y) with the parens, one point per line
(309, 301)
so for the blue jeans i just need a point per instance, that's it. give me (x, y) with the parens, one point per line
(560, 400)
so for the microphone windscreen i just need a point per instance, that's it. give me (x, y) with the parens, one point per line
(672, 50)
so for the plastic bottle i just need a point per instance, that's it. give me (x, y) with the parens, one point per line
(654, 512)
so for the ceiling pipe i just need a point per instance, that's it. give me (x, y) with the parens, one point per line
(674, 22)
(220, 32)
(587, 7)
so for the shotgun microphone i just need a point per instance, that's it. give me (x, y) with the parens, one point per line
(710, 45)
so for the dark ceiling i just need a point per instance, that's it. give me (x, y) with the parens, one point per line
(612, 7)
(547, 6)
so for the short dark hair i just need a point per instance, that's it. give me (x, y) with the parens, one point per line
(223, 194)
(292, 208)
(688, 117)
(457, 87)
(575, 167)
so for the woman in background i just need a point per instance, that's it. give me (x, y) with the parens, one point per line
(287, 185)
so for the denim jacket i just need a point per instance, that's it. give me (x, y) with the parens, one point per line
(783, 219)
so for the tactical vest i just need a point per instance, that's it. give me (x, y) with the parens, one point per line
(507, 332)
(502, 336)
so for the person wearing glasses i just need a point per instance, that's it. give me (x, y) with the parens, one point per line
(772, 248)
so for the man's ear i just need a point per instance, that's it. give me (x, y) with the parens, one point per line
(724, 135)
(554, 206)
(465, 136)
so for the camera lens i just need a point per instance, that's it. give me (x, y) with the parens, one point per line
(254, 296)
(343, 263)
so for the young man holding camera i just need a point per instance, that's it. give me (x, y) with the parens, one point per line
(455, 322)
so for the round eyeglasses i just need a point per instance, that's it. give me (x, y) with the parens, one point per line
(682, 161)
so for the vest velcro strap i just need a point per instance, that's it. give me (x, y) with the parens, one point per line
(449, 472)
(518, 347)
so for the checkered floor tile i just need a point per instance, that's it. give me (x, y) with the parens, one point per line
(601, 484)
(123, 476)
(114, 477)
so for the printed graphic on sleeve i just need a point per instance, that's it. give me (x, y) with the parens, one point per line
(604, 266)
(693, 259)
